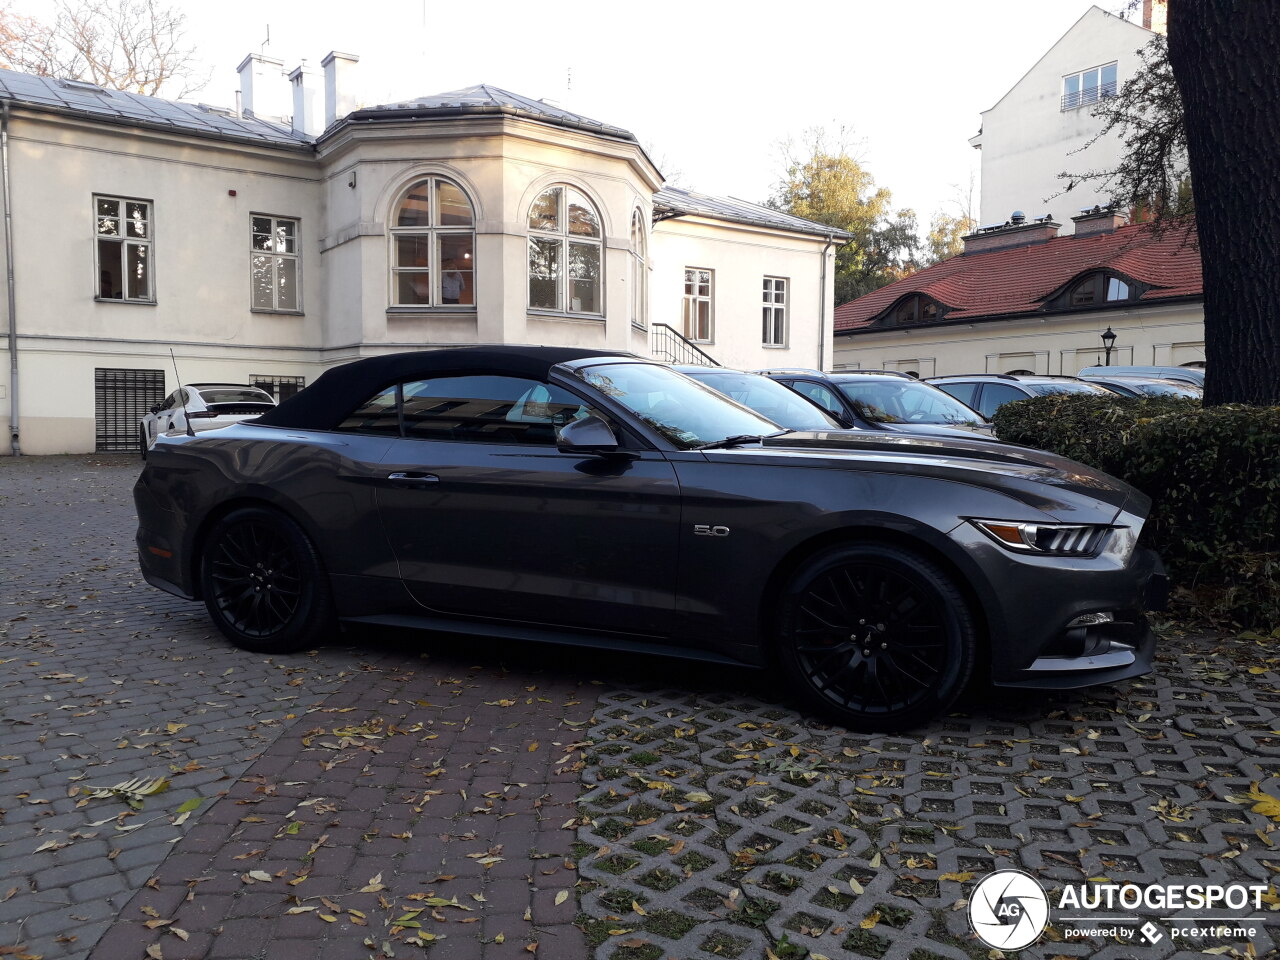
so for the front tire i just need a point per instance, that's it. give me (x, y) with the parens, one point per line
(142, 442)
(263, 583)
(876, 637)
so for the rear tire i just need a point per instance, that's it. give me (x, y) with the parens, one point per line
(263, 583)
(876, 637)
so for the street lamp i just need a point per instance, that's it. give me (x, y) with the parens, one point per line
(1108, 341)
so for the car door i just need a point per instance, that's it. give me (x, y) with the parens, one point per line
(488, 519)
(824, 397)
(995, 395)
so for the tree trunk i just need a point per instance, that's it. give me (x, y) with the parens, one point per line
(1224, 58)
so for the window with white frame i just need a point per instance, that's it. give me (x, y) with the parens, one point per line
(566, 253)
(775, 312)
(639, 274)
(123, 250)
(433, 240)
(697, 313)
(273, 264)
(1088, 86)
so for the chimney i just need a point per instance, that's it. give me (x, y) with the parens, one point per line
(1098, 220)
(1155, 15)
(339, 71)
(264, 92)
(1015, 232)
(306, 105)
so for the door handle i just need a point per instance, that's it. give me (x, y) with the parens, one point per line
(413, 479)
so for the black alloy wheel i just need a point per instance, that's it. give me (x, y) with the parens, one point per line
(142, 442)
(876, 636)
(263, 583)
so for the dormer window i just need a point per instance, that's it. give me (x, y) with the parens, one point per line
(916, 309)
(1097, 289)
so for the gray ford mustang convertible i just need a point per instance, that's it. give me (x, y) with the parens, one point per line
(583, 497)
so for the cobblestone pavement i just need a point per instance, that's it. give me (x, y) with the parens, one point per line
(303, 812)
(401, 794)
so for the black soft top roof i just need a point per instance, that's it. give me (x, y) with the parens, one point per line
(339, 390)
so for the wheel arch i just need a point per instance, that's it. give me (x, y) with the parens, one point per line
(225, 507)
(771, 598)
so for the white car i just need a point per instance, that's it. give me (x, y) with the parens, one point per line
(206, 406)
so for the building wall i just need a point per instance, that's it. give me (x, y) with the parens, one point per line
(203, 193)
(1027, 139)
(741, 259)
(1168, 335)
(200, 263)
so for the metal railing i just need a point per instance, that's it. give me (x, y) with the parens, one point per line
(668, 343)
(1088, 95)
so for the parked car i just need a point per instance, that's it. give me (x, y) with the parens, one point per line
(205, 406)
(568, 495)
(767, 397)
(987, 392)
(1193, 375)
(884, 400)
(1147, 386)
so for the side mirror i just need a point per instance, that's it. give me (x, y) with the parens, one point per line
(155, 408)
(588, 435)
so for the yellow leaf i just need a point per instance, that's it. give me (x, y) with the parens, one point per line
(870, 920)
(637, 908)
(1265, 804)
(561, 897)
(958, 877)
(533, 746)
(500, 938)
(154, 952)
(327, 918)
(174, 727)
(295, 910)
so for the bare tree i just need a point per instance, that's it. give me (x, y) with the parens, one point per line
(133, 45)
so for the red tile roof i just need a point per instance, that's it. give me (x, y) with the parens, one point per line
(1016, 280)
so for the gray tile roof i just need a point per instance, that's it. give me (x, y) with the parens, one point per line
(673, 201)
(133, 109)
(486, 98)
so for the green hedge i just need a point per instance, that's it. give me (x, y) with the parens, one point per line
(1213, 474)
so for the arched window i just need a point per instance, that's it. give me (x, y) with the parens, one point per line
(916, 309)
(565, 253)
(1097, 289)
(433, 241)
(639, 278)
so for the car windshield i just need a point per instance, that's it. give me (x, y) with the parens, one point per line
(1065, 386)
(684, 411)
(235, 395)
(1166, 388)
(768, 398)
(895, 400)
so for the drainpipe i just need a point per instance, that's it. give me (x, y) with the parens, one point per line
(822, 305)
(8, 255)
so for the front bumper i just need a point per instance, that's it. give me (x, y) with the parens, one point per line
(1066, 623)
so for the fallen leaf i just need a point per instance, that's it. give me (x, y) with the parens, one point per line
(561, 897)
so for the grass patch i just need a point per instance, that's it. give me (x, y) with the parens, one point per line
(620, 900)
(644, 758)
(917, 834)
(596, 931)
(896, 917)
(693, 862)
(617, 864)
(866, 944)
(650, 848)
(754, 913)
(660, 880)
(669, 924)
(721, 944)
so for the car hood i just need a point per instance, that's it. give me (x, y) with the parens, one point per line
(1049, 482)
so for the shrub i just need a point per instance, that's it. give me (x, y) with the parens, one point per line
(1213, 475)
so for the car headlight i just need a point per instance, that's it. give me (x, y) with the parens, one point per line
(1047, 539)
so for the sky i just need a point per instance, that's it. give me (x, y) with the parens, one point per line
(710, 88)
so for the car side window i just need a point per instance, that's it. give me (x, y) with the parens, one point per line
(964, 392)
(488, 409)
(822, 396)
(997, 394)
(169, 401)
(380, 414)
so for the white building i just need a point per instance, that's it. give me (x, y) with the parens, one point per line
(264, 251)
(1039, 129)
